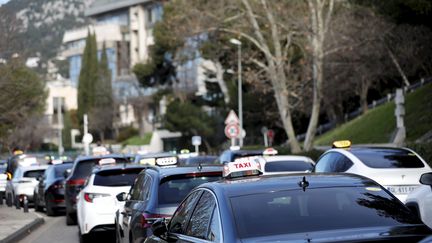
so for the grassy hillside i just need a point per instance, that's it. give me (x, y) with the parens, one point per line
(377, 125)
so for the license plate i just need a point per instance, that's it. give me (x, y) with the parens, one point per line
(401, 189)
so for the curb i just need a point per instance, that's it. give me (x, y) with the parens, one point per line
(24, 231)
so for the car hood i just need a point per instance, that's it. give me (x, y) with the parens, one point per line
(371, 234)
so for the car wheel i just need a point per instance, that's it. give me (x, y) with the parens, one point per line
(69, 219)
(49, 209)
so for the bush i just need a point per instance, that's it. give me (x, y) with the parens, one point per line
(126, 132)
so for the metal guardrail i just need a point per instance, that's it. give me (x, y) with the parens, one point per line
(349, 116)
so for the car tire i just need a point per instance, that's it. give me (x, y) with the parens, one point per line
(49, 209)
(69, 219)
(9, 200)
(83, 238)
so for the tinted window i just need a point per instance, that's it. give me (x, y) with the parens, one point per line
(60, 169)
(172, 190)
(333, 162)
(388, 158)
(295, 211)
(287, 166)
(202, 160)
(34, 173)
(121, 177)
(84, 168)
(214, 232)
(179, 220)
(200, 220)
(145, 191)
(136, 188)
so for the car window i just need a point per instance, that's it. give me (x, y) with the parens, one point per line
(214, 233)
(84, 168)
(201, 217)
(180, 218)
(34, 173)
(146, 188)
(136, 188)
(388, 158)
(120, 177)
(305, 211)
(172, 190)
(324, 163)
(340, 163)
(288, 165)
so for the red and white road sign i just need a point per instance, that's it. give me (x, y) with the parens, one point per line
(232, 118)
(232, 130)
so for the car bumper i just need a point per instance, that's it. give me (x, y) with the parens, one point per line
(97, 222)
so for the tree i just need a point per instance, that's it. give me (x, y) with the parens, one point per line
(102, 112)
(88, 76)
(23, 97)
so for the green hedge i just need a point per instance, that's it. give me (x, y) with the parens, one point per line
(423, 149)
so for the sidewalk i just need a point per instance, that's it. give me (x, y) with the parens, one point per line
(15, 224)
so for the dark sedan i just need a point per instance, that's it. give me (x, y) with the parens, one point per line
(49, 194)
(298, 207)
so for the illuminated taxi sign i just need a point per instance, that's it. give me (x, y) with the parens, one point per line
(166, 161)
(270, 151)
(342, 144)
(242, 167)
(148, 161)
(56, 161)
(107, 161)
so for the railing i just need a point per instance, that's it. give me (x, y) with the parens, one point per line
(349, 116)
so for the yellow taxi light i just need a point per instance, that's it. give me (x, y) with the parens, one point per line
(342, 144)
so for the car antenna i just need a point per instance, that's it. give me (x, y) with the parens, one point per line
(303, 183)
(199, 167)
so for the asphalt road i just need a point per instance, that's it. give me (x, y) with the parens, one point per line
(55, 230)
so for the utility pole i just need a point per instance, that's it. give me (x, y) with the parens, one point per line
(86, 145)
(240, 92)
(60, 126)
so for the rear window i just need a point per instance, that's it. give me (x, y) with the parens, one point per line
(173, 189)
(84, 168)
(34, 173)
(120, 177)
(291, 165)
(297, 211)
(201, 160)
(388, 158)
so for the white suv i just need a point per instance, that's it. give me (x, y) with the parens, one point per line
(420, 200)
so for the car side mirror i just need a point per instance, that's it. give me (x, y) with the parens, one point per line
(66, 173)
(426, 179)
(159, 228)
(121, 197)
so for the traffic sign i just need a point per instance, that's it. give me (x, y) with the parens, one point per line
(232, 118)
(196, 140)
(232, 130)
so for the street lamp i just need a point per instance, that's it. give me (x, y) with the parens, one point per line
(240, 99)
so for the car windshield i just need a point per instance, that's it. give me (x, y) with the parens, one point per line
(33, 173)
(173, 189)
(296, 211)
(388, 158)
(120, 177)
(84, 168)
(289, 165)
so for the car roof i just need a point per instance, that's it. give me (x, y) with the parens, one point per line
(245, 152)
(286, 158)
(91, 157)
(33, 167)
(155, 155)
(261, 184)
(169, 171)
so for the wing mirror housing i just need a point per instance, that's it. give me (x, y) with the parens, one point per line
(121, 197)
(426, 179)
(159, 228)
(67, 172)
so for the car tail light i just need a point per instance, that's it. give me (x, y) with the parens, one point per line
(76, 182)
(90, 196)
(147, 219)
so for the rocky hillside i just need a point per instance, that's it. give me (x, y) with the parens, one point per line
(43, 22)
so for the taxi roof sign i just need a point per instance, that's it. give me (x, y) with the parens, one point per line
(107, 161)
(270, 151)
(341, 144)
(166, 161)
(242, 167)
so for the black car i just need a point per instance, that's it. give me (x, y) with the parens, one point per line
(49, 194)
(81, 169)
(156, 194)
(299, 207)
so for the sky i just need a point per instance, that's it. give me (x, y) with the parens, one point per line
(3, 1)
